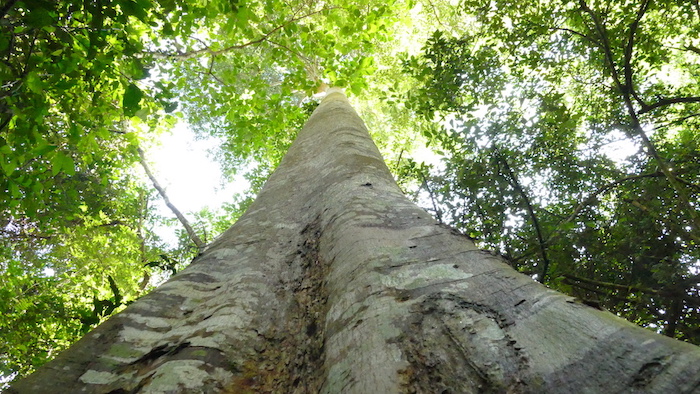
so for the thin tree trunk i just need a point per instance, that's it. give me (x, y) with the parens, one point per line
(334, 282)
(185, 223)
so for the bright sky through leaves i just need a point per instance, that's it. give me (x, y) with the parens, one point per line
(182, 164)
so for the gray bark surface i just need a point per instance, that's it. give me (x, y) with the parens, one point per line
(334, 282)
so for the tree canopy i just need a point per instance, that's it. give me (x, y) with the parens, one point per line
(522, 101)
(535, 94)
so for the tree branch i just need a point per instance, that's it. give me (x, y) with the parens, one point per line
(193, 236)
(629, 50)
(604, 42)
(672, 293)
(437, 16)
(697, 7)
(609, 285)
(208, 51)
(676, 121)
(679, 228)
(592, 196)
(574, 32)
(142, 212)
(593, 289)
(535, 222)
(6, 8)
(693, 48)
(438, 212)
(674, 313)
(22, 235)
(210, 73)
(635, 124)
(668, 101)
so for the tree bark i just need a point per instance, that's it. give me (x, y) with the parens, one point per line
(334, 282)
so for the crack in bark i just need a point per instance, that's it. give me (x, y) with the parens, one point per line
(311, 297)
(146, 367)
(157, 352)
(648, 372)
(484, 358)
(291, 358)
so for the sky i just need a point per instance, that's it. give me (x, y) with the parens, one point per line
(184, 167)
(191, 178)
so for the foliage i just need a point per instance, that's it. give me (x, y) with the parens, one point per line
(59, 284)
(84, 82)
(72, 232)
(255, 66)
(532, 95)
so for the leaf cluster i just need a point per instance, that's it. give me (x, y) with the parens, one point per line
(73, 231)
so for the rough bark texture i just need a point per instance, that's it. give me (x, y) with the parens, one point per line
(334, 282)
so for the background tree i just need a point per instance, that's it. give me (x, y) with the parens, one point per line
(536, 95)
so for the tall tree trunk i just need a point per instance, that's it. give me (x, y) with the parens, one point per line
(334, 282)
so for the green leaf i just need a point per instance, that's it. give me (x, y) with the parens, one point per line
(366, 62)
(14, 191)
(34, 82)
(168, 29)
(132, 97)
(356, 88)
(137, 9)
(62, 163)
(4, 147)
(8, 165)
(39, 17)
(137, 70)
(170, 106)
(43, 148)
